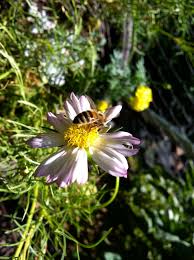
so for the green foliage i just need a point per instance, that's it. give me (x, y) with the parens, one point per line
(121, 84)
(119, 77)
(161, 214)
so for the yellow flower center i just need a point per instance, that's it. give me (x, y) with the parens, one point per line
(82, 136)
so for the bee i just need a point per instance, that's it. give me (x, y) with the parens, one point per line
(91, 117)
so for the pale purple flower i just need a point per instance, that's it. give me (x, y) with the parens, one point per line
(76, 141)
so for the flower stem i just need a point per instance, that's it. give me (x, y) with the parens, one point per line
(113, 196)
(29, 229)
(27, 243)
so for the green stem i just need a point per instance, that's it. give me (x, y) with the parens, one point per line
(113, 196)
(28, 224)
(77, 250)
(27, 243)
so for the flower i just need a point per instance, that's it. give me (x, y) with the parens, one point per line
(77, 140)
(102, 105)
(142, 98)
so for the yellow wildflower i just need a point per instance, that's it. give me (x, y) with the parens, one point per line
(102, 105)
(142, 98)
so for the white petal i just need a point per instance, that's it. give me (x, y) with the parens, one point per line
(51, 165)
(59, 122)
(69, 109)
(116, 174)
(112, 112)
(119, 157)
(92, 104)
(65, 175)
(119, 134)
(75, 103)
(126, 151)
(46, 140)
(85, 104)
(81, 174)
(120, 137)
(108, 163)
(75, 170)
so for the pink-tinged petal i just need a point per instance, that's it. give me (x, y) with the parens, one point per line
(82, 176)
(120, 137)
(75, 103)
(51, 165)
(108, 163)
(134, 140)
(109, 166)
(75, 169)
(116, 174)
(65, 174)
(46, 140)
(121, 160)
(59, 122)
(112, 112)
(126, 151)
(69, 109)
(84, 103)
(51, 179)
(55, 166)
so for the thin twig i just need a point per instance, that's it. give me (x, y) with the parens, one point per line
(127, 38)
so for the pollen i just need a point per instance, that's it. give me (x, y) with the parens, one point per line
(82, 136)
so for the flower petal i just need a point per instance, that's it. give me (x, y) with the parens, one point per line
(46, 140)
(57, 166)
(120, 137)
(114, 154)
(110, 161)
(69, 109)
(81, 172)
(112, 112)
(75, 103)
(65, 175)
(116, 174)
(59, 122)
(92, 104)
(126, 151)
(85, 104)
(74, 170)
(51, 165)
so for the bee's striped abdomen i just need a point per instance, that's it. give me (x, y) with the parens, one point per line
(85, 117)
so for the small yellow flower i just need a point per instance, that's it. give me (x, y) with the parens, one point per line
(102, 105)
(142, 98)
